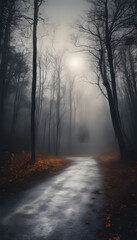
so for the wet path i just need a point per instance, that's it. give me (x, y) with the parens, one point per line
(57, 208)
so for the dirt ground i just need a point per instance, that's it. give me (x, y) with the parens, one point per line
(119, 178)
(17, 174)
(120, 213)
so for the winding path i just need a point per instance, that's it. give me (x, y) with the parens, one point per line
(64, 207)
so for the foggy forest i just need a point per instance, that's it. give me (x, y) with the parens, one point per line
(68, 117)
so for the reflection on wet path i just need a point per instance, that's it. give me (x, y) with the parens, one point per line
(57, 209)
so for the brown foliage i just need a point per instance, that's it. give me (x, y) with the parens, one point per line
(17, 171)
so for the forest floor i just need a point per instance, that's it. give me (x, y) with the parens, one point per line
(61, 207)
(91, 197)
(17, 174)
(120, 184)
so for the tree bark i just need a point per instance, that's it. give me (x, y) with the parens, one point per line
(3, 72)
(58, 116)
(113, 99)
(34, 79)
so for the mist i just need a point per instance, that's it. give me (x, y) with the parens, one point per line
(68, 119)
(67, 104)
(65, 89)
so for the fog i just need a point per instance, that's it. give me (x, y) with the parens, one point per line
(72, 115)
(68, 119)
(90, 123)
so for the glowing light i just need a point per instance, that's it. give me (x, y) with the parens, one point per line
(75, 62)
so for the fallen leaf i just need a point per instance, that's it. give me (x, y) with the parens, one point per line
(108, 225)
(87, 222)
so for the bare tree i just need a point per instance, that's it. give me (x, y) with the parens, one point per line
(127, 71)
(106, 27)
(58, 119)
(6, 22)
(71, 81)
(20, 82)
(37, 4)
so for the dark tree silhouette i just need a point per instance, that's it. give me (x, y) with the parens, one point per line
(37, 4)
(8, 18)
(107, 26)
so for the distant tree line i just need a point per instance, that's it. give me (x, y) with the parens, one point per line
(38, 96)
(36, 104)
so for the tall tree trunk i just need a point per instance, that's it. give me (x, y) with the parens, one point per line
(45, 127)
(113, 100)
(3, 6)
(3, 72)
(116, 124)
(58, 116)
(70, 126)
(112, 107)
(50, 117)
(16, 105)
(34, 79)
(53, 122)
(70, 114)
